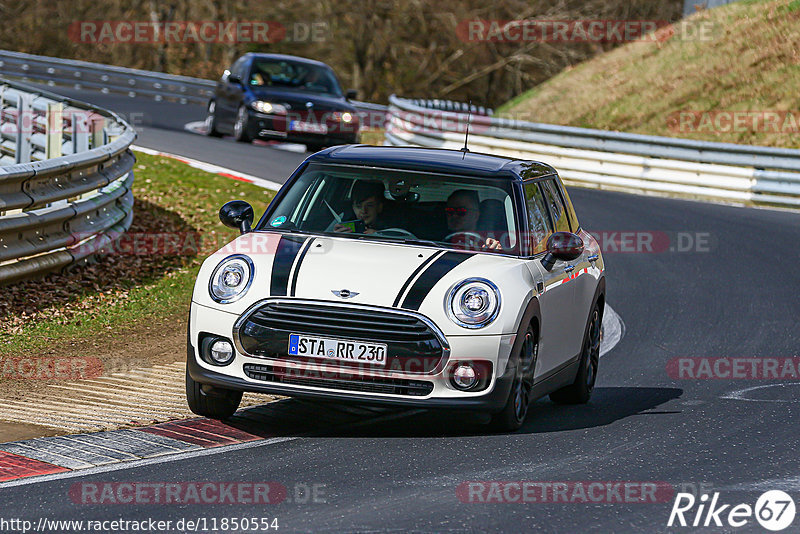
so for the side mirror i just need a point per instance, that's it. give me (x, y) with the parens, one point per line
(232, 78)
(237, 214)
(564, 246)
(351, 94)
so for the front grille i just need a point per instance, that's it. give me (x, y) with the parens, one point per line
(412, 345)
(338, 380)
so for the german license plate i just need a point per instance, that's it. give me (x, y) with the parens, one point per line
(327, 348)
(309, 127)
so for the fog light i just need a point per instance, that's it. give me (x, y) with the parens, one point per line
(464, 376)
(221, 351)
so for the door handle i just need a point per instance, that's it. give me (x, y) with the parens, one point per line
(569, 268)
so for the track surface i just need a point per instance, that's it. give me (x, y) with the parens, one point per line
(737, 300)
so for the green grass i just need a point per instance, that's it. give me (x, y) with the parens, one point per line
(122, 293)
(747, 60)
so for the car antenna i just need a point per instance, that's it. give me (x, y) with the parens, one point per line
(466, 136)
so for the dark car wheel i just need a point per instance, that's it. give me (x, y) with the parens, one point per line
(513, 414)
(211, 120)
(580, 391)
(240, 126)
(221, 405)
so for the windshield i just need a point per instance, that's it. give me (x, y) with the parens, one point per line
(396, 205)
(294, 75)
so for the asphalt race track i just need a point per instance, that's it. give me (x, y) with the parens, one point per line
(733, 295)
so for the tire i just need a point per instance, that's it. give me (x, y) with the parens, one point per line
(240, 126)
(221, 405)
(513, 414)
(580, 391)
(211, 120)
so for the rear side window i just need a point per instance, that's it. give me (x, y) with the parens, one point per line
(538, 220)
(557, 210)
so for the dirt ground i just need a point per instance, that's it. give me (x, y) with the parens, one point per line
(137, 347)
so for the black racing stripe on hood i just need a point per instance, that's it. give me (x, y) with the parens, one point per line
(413, 275)
(306, 247)
(288, 248)
(443, 265)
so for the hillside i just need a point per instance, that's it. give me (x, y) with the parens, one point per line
(748, 60)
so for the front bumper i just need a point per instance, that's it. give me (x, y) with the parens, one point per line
(275, 127)
(496, 349)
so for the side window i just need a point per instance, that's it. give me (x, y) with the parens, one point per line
(573, 218)
(557, 210)
(538, 220)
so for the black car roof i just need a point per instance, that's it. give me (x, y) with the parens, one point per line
(434, 160)
(286, 57)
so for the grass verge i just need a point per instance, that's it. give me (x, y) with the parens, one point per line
(744, 56)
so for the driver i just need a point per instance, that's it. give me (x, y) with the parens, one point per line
(368, 205)
(462, 212)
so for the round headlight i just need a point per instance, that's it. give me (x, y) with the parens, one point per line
(473, 303)
(231, 279)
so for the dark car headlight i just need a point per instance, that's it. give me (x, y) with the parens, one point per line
(231, 279)
(473, 303)
(269, 108)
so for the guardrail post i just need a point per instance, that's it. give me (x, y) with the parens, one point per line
(96, 127)
(80, 131)
(55, 130)
(22, 152)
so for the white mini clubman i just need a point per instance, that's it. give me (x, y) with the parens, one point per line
(402, 276)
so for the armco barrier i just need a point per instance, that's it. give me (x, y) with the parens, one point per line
(613, 160)
(66, 173)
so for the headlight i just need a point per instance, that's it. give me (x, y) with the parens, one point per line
(473, 303)
(269, 107)
(342, 116)
(231, 279)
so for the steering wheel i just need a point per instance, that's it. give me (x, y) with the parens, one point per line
(471, 239)
(395, 232)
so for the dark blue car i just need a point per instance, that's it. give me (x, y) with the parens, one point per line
(279, 97)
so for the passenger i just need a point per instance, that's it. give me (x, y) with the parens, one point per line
(368, 205)
(462, 212)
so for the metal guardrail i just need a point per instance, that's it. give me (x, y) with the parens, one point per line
(613, 160)
(66, 173)
(131, 82)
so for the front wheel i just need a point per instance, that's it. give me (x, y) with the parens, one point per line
(580, 391)
(222, 404)
(240, 126)
(513, 414)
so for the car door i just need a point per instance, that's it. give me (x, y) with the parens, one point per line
(570, 270)
(230, 94)
(556, 345)
(586, 271)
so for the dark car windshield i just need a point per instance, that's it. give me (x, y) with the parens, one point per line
(295, 75)
(413, 207)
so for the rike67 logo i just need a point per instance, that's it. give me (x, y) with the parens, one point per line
(774, 510)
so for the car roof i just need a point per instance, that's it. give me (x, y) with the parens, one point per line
(286, 57)
(436, 160)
